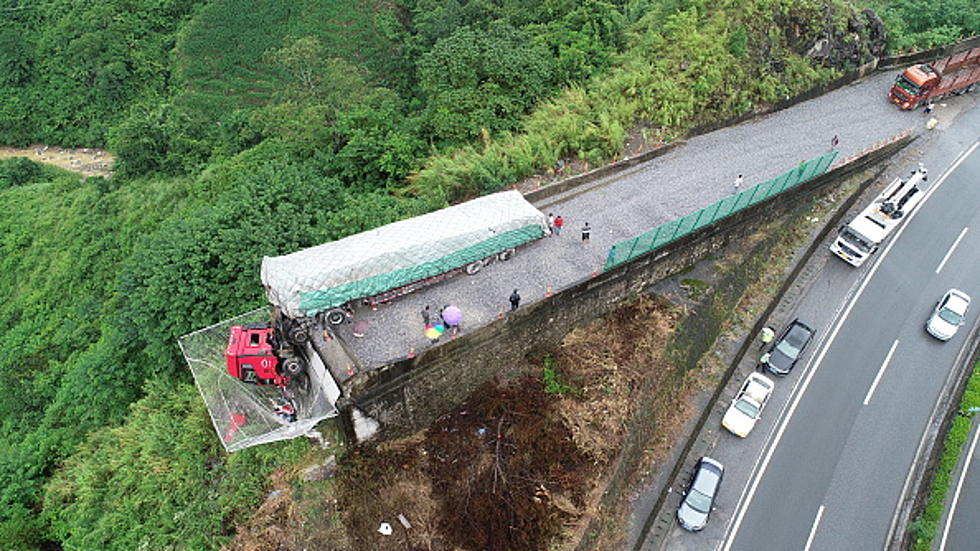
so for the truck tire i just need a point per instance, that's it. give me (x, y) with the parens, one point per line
(298, 335)
(293, 366)
(506, 255)
(336, 317)
(473, 267)
(300, 384)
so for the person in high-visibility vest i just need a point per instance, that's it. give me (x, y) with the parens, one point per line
(766, 336)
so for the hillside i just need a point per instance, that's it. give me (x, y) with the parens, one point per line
(243, 129)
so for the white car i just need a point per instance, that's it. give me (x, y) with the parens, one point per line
(748, 404)
(949, 315)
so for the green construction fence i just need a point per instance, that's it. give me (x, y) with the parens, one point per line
(628, 249)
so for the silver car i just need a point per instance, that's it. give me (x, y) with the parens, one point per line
(949, 315)
(699, 498)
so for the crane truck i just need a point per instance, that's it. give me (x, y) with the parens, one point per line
(861, 237)
(322, 285)
(926, 81)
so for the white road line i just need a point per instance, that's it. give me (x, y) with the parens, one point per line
(956, 494)
(881, 371)
(740, 516)
(813, 529)
(951, 249)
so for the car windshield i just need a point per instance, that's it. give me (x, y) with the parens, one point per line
(950, 316)
(787, 349)
(747, 408)
(698, 501)
(855, 240)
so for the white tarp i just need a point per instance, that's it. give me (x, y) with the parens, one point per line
(314, 279)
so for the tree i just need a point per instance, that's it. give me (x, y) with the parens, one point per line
(18, 171)
(477, 80)
(16, 57)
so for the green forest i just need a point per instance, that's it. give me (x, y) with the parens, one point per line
(248, 128)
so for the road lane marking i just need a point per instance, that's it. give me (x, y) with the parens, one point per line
(881, 371)
(813, 529)
(956, 494)
(925, 433)
(754, 485)
(951, 249)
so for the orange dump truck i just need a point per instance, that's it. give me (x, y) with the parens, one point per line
(953, 75)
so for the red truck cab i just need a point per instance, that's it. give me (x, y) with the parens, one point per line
(913, 85)
(251, 356)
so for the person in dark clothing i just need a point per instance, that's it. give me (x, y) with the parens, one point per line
(515, 300)
(586, 232)
(426, 316)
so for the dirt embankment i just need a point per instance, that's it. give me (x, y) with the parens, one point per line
(518, 466)
(85, 161)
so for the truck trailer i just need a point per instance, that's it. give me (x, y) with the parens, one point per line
(955, 74)
(860, 238)
(322, 285)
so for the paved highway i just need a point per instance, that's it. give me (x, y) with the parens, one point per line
(960, 530)
(839, 461)
(826, 464)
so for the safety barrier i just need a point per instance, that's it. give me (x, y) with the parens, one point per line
(629, 249)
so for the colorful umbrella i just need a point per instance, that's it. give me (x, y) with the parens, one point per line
(452, 315)
(434, 331)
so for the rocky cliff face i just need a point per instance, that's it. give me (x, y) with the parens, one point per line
(841, 41)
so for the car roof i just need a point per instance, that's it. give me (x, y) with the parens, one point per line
(708, 476)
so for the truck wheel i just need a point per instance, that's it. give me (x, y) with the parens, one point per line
(298, 335)
(335, 317)
(293, 366)
(473, 267)
(298, 384)
(506, 255)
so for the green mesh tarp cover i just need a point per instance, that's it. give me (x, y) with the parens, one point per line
(315, 279)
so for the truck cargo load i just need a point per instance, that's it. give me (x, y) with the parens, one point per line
(861, 237)
(317, 279)
(928, 81)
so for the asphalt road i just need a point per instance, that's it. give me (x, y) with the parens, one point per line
(838, 466)
(961, 532)
(631, 202)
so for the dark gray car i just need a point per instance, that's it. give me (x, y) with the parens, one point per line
(700, 495)
(783, 355)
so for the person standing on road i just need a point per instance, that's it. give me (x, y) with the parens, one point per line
(738, 183)
(551, 222)
(515, 300)
(426, 315)
(559, 222)
(929, 107)
(766, 336)
(586, 232)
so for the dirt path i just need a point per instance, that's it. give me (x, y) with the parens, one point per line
(85, 161)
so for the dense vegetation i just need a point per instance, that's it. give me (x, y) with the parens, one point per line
(247, 128)
(918, 24)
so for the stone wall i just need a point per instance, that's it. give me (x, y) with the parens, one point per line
(408, 395)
